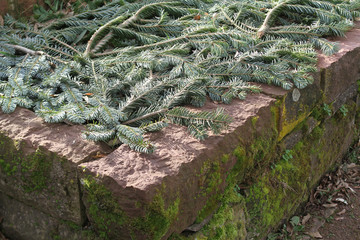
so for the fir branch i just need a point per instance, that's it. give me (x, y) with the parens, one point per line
(269, 17)
(66, 45)
(162, 57)
(146, 116)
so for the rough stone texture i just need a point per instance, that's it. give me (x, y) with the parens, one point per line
(23, 222)
(180, 166)
(341, 69)
(38, 163)
(295, 105)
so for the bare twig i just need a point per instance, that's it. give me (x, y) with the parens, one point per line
(25, 50)
(146, 116)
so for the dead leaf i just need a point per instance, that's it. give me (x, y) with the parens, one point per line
(351, 165)
(289, 229)
(341, 200)
(328, 212)
(99, 155)
(352, 190)
(339, 218)
(305, 219)
(315, 224)
(304, 237)
(314, 235)
(331, 205)
(341, 212)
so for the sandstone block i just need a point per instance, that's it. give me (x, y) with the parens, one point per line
(151, 196)
(341, 70)
(38, 163)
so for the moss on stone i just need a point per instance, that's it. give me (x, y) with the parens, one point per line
(254, 121)
(158, 217)
(281, 189)
(36, 170)
(107, 217)
(227, 223)
(229, 220)
(277, 192)
(210, 177)
(103, 210)
(32, 169)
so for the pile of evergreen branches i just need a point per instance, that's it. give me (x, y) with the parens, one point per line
(128, 67)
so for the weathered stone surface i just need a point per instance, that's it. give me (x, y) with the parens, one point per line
(183, 172)
(23, 222)
(38, 163)
(294, 105)
(341, 70)
(305, 128)
(280, 190)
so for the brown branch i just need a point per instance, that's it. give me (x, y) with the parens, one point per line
(25, 50)
(145, 116)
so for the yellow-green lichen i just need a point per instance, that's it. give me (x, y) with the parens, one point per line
(254, 121)
(286, 125)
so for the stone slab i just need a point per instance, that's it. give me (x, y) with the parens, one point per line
(22, 222)
(341, 70)
(182, 169)
(38, 163)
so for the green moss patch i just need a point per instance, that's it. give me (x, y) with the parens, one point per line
(287, 183)
(32, 170)
(103, 211)
(110, 221)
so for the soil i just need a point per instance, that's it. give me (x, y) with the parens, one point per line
(333, 210)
